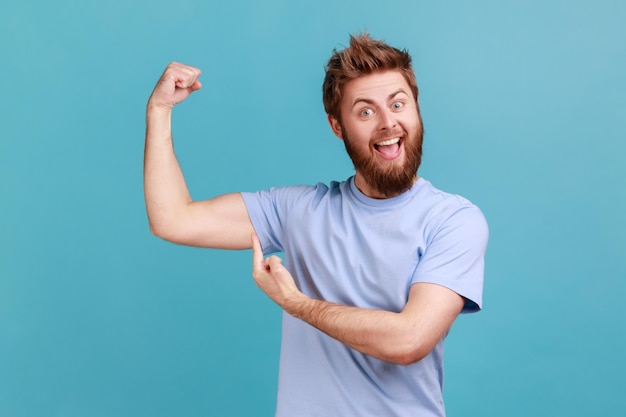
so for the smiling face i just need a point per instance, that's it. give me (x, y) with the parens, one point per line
(381, 128)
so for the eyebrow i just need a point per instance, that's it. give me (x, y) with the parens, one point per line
(389, 97)
(395, 93)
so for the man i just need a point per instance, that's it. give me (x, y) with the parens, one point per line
(376, 267)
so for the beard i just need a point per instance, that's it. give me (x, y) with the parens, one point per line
(387, 177)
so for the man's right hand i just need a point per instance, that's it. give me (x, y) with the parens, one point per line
(220, 222)
(175, 85)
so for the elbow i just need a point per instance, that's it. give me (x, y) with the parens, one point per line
(155, 230)
(408, 352)
(409, 357)
(174, 232)
(161, 231)
(170, 225)
(412, 358)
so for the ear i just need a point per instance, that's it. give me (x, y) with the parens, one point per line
(335, 126)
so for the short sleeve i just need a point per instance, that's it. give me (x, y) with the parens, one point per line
(268, 211)
(455, 256)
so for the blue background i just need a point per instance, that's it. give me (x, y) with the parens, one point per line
(524, 104)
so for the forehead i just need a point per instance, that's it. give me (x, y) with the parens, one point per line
(374, 87)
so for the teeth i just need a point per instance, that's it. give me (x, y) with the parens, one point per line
(388, 142)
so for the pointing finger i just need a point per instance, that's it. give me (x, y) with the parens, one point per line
(258, 263)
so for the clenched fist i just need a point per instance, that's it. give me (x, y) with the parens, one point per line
(175, 85)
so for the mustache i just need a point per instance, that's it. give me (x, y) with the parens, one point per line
(379, 137)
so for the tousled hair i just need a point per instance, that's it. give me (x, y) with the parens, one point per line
(364, 56)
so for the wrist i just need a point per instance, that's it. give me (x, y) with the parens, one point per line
(158, 109)
(302, 307)
(158, 118)
(299, 305)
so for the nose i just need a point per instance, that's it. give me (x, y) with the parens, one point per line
(386, 120)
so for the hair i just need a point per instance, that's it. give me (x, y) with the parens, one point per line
(364, 56)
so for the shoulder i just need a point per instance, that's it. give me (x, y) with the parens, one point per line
(443, 203)
(445, 210)
(292, 195)
(428, 192)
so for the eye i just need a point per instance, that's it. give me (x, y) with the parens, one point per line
(397, 105)
(366, 112)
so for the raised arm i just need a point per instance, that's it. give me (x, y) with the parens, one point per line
(221, 222)
(401, 338)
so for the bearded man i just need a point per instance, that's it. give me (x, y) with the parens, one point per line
(376, 268)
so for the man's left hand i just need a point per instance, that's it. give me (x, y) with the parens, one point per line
(273, 278)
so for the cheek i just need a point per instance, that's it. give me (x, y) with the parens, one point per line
(411, 123)
(358, 134)
(362, 138)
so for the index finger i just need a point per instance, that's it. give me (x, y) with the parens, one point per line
(258, 262)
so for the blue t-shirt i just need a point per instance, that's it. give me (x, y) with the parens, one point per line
(344, 247)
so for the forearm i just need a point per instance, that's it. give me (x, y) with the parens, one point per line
(401, 338)
(165, 190)
(392, 337)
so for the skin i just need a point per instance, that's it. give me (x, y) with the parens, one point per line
(223, 222)
(376, 108)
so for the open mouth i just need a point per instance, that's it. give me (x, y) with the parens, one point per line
(389, 148)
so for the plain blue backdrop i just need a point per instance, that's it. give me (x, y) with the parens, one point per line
(524, 104)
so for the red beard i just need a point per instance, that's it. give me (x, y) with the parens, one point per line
(387, 179)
